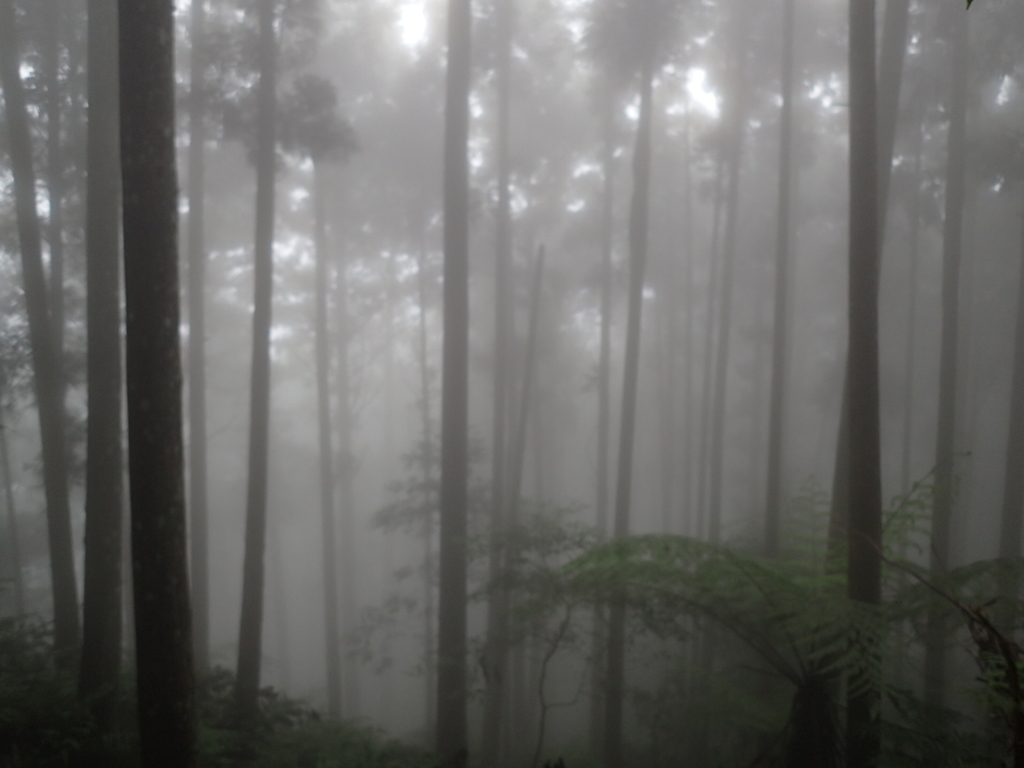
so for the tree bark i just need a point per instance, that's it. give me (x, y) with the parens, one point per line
(781, 331)
(12, 515)
(250, 637)
(865, 489)
(199, 536)
(945, 448)
(495, 660)
(45, 360)
(327, 514)
(452, 745)
(55, 176)
(638, 236)
(911, 346)
(734, 134)
(430, 506)
(101, 600)
(165, 675)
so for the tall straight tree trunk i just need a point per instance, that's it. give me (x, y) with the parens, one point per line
(734, 129)
(452, 744)
(12, 513)
(55, 174)
(197, 499)
(911, 346)
(346, 490)
(1013, 475)
(782, 246)
(250, 636)
(890, 79)
(165, 676)
(638, 234)
(688, 421)
(429, 503)
(332, 643)
(46, 366)
(101, 599)
(945, 448)
(707, 388)
(599, 632)
(865, 476)
(496, 650)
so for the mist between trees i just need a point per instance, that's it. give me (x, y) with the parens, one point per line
(408, 382)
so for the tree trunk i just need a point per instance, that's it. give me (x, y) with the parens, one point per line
(734, 130)
(55, 176)
(865, 482)
(911, 346)
(12, 514)
(890, 78)
(199, 536)
(599, 633)
(495, 658)
(323, 396)
(452, 745)
(952, 244)
(688, 421)
(250, 635)
(638, 236)
(346, 491)
(45, 361)
(101, 600)
(781, 331)
(430, 507)
(165, 675)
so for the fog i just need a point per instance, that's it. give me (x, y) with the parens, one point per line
(360, 127)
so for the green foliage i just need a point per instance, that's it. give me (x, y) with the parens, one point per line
(41, 722)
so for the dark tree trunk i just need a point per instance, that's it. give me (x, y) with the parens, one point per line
(638, 234)
(781, 331)
(101, 599)
(890, 78)
(452, 745)
(163, 632)
(12, 514)
(734, 134)
(45, 360)
(496, 651)
(199, 536)
(952, 244)
(55, 175)
(250, 636)
(323, 395)
(865, 482)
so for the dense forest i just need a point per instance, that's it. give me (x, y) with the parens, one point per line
(497, 384)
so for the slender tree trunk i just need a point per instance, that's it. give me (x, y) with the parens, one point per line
(165, 675)
(707, 388)
(430, 507)
(638, 235)
(911, 346)
(865, 481)
(12, 515)
(495, 659)
(250, 635)
(55, 175)
(599, 633)
(332, 643)
(101, 600)
(45, 360)
(346, 490)
(688, 420)
(197, 500)
(782, 246)
(890, 78)
(1013, 475)
(952, 244)
(452, 744)
(734, 151)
